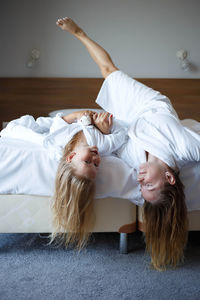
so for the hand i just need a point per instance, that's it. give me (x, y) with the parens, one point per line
(81, 113)
(75, 116)
(103, 121)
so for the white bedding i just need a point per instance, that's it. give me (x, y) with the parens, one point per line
(25, 168)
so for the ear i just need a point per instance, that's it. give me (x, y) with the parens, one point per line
(170, 178)
(70, 156)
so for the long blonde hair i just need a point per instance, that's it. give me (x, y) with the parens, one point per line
(73, 212)
(166, 226)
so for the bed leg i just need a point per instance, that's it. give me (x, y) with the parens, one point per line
(123, 248)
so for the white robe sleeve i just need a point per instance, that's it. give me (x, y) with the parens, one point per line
(192, 145)
(184, 141)
(125, 97)
(106, 143)
(171, 139)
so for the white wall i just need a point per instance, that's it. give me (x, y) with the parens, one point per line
(142, 36)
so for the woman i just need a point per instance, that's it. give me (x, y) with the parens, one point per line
(158, 147)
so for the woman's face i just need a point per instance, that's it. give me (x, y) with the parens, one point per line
(85, 160)
(152, 177)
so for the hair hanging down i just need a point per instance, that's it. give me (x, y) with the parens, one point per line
(73, 213)
(166, 226)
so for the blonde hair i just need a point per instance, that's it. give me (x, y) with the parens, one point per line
(73, 212)
(166, 226)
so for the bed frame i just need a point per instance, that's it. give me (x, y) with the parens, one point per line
(40, 96)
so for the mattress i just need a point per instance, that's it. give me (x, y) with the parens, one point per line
(32, 214)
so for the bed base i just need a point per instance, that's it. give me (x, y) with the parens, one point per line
(32, 214)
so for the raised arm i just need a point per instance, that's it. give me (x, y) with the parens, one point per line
(98, 54)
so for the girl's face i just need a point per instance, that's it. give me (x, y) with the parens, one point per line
(152, 178)
(85, 160)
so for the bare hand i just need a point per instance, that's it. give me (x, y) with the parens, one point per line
(103, 121)
(75, 116)
(81, 113)
(69, 25)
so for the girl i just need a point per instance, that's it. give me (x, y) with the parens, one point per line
(77, 148)
(158, 147)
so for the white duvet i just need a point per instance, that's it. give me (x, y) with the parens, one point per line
(26, 168)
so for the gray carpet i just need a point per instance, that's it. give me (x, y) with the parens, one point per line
(32, 270)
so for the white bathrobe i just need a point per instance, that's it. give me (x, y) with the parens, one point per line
(54, 133)
(154, 126)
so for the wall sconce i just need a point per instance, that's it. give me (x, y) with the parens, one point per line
(35, 55)
(184, 63)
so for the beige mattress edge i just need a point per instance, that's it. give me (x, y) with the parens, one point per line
(32, 214)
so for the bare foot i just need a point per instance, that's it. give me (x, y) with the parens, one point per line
(69, 25)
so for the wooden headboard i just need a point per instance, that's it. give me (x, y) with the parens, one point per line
(39, 96)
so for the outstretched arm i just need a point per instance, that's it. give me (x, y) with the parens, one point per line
(98, 54)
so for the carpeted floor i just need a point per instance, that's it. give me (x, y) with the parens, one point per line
(31, 270)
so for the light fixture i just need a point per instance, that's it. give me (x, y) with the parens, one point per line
(34, 56)
(182, 56)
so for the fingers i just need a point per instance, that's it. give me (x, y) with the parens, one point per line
(89, 112)
(110, 120)
(62, 21)
(94, 116)
(103, 116)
